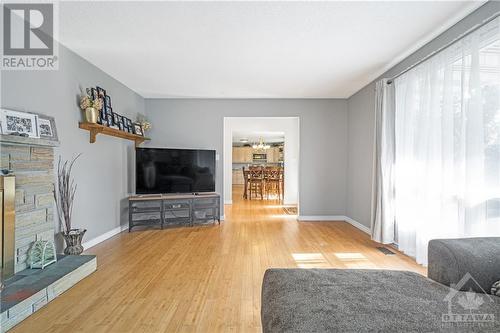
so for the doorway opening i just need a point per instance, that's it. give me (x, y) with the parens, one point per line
(261, 164)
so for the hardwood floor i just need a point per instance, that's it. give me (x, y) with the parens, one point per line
(204, 279)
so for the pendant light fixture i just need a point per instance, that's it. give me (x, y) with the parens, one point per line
(261, 145)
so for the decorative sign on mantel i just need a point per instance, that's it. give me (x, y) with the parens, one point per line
(27, 125)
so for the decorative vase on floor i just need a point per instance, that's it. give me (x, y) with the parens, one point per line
(74, 241)
(91, 115)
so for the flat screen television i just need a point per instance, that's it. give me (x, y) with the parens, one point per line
(165, 170)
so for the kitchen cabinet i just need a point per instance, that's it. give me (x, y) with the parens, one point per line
(242, 154)
(248, 154)
(237, 157)
(273, 155)
(245, 154)
(270, 155)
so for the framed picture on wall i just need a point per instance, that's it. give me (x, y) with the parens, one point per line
(109, 118)
(126, 126)
(107, 101)
(101, 92)
(138, 129)
(124, 120)
(115, 118)
(92, 93)
(120, 122)
(47, 127)
(19, 122)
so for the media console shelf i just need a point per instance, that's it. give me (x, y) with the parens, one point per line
(95, 129)
(179, 209)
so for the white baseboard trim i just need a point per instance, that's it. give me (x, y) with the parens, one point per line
(228, 202)
(222, 217)
(99, 239)
(335, 218)
(316, 218)
(358, 225)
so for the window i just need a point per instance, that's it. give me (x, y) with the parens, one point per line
(447, 144)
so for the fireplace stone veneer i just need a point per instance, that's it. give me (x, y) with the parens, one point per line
(33, 167)
(32, 163)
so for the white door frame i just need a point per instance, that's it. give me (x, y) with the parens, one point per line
(288, 125)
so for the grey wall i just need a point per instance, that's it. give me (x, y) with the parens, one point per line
(198, 123)
(336, 136)
(361, 119)
(102, 171)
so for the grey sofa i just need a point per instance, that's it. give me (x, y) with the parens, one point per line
(345, 300)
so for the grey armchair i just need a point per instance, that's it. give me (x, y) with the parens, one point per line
(451, 259)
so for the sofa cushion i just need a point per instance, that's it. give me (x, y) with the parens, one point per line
(336, 300)
(450, 260)
(495, 289)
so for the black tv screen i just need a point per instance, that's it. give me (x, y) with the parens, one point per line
(162, 170)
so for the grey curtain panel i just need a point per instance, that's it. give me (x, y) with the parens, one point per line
(383, 191)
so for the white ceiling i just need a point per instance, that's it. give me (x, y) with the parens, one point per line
(251, 49)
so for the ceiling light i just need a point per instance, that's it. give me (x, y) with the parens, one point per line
(261, 145)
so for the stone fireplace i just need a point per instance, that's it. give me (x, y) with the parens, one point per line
(33, 170)
(27, 211)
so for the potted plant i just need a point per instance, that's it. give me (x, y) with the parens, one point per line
(64, 194)
(91, 108)
(145, 124)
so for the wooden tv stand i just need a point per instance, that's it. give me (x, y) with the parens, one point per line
(173, 209)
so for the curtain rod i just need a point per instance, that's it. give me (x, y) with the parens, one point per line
(468, 32)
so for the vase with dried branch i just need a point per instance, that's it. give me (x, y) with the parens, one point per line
(64, 195)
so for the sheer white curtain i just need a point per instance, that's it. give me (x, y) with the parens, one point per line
(383, 196)
(447, 133)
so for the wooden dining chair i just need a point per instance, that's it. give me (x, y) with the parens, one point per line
(256, 182)
(282, 182)
(272, 176)
(246, 175)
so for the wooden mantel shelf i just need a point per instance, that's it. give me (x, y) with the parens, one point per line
(95, 129)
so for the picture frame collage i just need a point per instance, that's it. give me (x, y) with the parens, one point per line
(107, 117)
(28, 124)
